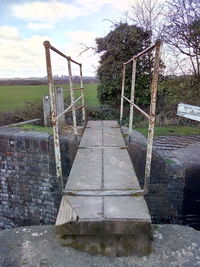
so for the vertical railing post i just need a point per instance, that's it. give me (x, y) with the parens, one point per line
(72, 96)
(122, 93)
(154, 89)
(54, 120)
(82, 94)
(132, 96)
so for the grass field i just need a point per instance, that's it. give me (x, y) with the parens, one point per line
(13, 97)
(172, 130)
(159, 131)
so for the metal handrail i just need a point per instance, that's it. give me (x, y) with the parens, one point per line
(151, 116)
(55, 117)
(47, 44)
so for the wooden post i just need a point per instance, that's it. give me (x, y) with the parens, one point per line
(47, 111)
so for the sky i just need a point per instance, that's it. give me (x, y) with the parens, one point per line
(67, 24)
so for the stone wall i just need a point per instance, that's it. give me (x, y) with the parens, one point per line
(29, 190)
(166, 194)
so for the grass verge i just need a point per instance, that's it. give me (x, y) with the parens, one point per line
(36, 128)
(159, 131)
(171, 130)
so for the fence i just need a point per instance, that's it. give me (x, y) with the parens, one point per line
(151, 116)
(55, 115)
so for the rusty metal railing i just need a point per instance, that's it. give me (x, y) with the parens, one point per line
(151, 117)
(72, 107)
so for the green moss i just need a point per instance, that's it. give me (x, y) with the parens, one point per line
(102, 247)
(169, 161)
(36, 128)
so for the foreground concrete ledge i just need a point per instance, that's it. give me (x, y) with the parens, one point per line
(172, 245)
(109, 245)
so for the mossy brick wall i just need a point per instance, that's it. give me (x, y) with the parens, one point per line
(166, 194)
(29, 189)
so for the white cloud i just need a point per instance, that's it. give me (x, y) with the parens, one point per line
(22, 57)
(25, 57)
(35, 26)
(7, 32)
(89, 59)
(94, 5)
(82, 36)
(54, 11)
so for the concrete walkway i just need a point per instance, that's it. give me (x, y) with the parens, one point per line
(97, 201)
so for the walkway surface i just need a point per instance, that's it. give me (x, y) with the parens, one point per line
(97, 200)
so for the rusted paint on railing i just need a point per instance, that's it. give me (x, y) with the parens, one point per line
(122, 93)
(151, 117)
(54, 120)
(55, 117)
(138, 108)
(72, 96)
(132, 95)
(47, 43)
(82, 94)
(154, 89)
(148, 49)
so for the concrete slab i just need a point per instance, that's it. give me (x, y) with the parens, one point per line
(92, 138)
(87, 207)
(95, 124)
(86, 172)
(112, 137)
(110, 124)
(118, 170)
(131, 208)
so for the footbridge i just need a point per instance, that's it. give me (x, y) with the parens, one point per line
(103, 207)
(102, 192)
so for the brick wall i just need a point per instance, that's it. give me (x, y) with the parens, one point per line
(166, 194)
(29, 190)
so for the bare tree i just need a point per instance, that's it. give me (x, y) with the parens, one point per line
(148, 15)
(182, 30)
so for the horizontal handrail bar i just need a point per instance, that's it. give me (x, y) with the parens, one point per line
(151, 47)
(103, 192)
(138, 108)
(47, 44)
(65, 111)
(68, 109)
(148, 49)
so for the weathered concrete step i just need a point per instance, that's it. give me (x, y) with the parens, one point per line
(102, 167)
(103, 215)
